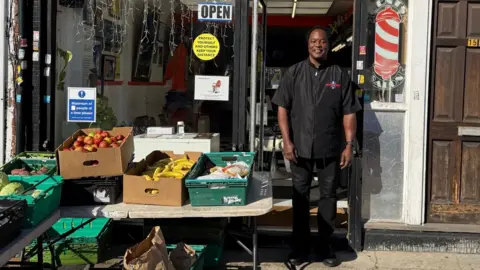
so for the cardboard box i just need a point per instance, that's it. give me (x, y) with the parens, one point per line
(104, 162)
(171, 191)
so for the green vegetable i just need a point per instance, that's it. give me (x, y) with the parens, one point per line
(3, 180)
(11, 189)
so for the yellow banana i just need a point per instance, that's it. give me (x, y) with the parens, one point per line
(148, 178)
(157, 171)
(171, 175)
(181, 167)
(184, 158)
(156, 178)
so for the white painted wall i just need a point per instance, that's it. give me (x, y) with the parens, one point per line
(417, 79)
(127, 101)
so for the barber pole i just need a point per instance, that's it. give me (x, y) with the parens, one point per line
(387, 37)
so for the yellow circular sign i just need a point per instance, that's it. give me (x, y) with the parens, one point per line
(206, 47)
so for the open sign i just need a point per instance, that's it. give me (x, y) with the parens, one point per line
(217, 12)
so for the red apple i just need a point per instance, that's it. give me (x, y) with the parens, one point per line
(113, 139)
(79, 148)
(80, 138)
(95, 145)
(66, 149)
(72, 148)
(105, 134)
(99, 132)
(78, 144)
(89, 148)
(120, 137)
(97, 141)
(120, 142)
(114, 144)
(88, 140)
(108, 140)
(103, 144)
(91, 134)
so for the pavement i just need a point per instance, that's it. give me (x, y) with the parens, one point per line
(272, 259)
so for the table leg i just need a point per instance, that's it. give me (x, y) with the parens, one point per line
(255, 243)
(40, 251)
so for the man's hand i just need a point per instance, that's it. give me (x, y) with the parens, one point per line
(289, 151)
(347, 156)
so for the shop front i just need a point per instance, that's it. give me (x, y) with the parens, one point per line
(188, 64)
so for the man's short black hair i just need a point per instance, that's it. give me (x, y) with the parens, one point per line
(318, 27)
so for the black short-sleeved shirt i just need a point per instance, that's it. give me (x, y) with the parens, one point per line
(316, 99)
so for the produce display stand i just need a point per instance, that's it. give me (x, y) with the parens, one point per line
(259, 198)
(26, 237)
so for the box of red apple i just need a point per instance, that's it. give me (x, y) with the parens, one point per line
(95, 152)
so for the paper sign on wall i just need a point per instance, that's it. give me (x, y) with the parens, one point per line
(215, 12)
(82, 104)
(212, 87)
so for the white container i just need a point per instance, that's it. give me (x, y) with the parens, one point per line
(180, 127)
(179, 144)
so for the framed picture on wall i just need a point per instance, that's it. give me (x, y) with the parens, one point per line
(109, 63)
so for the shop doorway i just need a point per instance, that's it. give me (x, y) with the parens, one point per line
(286, 44)
(454, 120)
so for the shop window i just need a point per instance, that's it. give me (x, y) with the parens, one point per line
(386, 51)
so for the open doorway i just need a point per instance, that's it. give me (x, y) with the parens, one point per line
(286, 45)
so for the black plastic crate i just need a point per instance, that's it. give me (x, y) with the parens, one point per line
(91, 191)
(12, 215)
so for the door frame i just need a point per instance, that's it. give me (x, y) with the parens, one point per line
(417, 87)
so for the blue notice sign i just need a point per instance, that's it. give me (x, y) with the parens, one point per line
(82, 104)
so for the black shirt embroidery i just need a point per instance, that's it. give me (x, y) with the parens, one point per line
(316, 99)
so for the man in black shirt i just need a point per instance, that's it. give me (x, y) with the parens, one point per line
(316, 104)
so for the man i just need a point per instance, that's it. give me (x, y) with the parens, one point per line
(316, 104)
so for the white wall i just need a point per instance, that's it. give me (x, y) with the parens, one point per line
(127, 101)
(418, 73)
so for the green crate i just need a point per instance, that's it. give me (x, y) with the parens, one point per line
(37, 155)
(199, 252)
(91, 230)
(30, 165)
(45, 203)
(219, 192)
(85, 246)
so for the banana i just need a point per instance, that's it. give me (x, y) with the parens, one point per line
(148, 173)
(181, 167)
(184, 158)
(156, 178)
(157, 172)
(171, 175)
(148, 178)
(152, 191)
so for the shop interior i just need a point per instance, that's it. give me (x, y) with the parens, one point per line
(139, 54)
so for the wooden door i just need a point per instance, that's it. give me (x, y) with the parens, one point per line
(454, 119)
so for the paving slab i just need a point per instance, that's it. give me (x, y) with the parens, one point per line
(273, 259)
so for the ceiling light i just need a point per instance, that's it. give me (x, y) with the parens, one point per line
(294, 9)
(338, 47)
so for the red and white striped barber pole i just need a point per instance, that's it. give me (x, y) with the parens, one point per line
(387, 43)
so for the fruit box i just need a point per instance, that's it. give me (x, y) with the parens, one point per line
(111, 161)
(170, 191)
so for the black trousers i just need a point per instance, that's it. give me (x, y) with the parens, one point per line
(328, 171)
